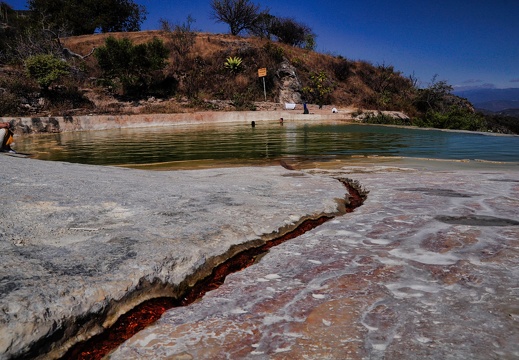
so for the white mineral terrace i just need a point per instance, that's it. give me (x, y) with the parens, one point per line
(427, 268)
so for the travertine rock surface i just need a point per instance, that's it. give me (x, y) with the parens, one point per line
(288, 84)
(427, 268)
(74, 238)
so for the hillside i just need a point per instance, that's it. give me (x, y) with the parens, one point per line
(483, 95)
(198, 80)
(215, 72)
(494, 100)
(499, 106)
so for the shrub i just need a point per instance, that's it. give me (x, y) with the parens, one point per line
(65, 99)
(274, 51)
(455, 119)
(341, 69)
(191, 83)
(9, 103)
(434, 98)
(46, 69)
(163, 87)
(502, 124)
(310, 42)
(242, 101)
(17, 84)
(132, 65)
(17, 93)
(319, 88)
(181, 37)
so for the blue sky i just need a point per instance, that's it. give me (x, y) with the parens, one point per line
(468, 43)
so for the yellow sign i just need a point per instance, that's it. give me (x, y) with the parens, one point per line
(262, 72)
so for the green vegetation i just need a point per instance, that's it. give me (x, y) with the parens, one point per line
(21, 38)
(455, 118)
(242, 102)
(46, 69)
(233, 64)
(291, 32)
(435, 107)
(131, 66)
(79, 17)
(276, 53)
(502, 124)
(318, 89)
(244, 15)
(438, 108)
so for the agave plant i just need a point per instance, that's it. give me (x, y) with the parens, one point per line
(233, 63)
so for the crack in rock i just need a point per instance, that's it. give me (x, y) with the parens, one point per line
(149, 311)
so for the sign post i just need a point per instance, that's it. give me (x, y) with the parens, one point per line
(262, 73)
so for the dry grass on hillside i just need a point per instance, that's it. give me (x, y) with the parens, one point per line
(199, 80)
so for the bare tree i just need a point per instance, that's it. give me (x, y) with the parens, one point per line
(238, 14)
(181, 37)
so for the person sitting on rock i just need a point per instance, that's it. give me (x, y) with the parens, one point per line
(6, 137)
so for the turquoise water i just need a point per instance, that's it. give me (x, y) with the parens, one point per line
(240, 143)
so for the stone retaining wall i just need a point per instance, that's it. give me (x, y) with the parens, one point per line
(30, 125)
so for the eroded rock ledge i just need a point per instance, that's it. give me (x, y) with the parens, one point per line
(147, 312)
(77, 239)
(427, 268)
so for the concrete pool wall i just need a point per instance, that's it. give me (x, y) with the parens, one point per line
(52, 124)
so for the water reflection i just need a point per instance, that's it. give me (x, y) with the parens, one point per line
(267, 141)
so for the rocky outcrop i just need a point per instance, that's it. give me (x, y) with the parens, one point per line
(288, 83)
(392, 280)
(80, 245)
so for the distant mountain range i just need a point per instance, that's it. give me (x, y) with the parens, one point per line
(494, 100)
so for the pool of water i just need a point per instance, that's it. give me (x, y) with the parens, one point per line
(266, 142)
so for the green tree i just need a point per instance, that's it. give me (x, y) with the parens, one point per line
(436, 97)
(441, 109)
(291, 32)
(389, 86)
(132, 65)
(79, 17)
(310, 42)
(240, 15)
(46, 69)
(18, 37)
(262, 26)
